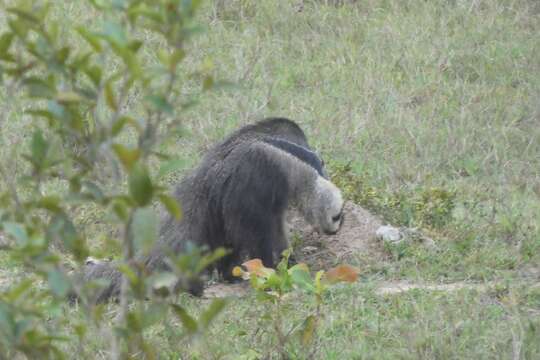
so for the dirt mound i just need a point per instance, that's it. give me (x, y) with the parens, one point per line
(356, 236)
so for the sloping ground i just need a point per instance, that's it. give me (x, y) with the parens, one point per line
(357, 235)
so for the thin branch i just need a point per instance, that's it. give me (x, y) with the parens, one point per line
(124, 289)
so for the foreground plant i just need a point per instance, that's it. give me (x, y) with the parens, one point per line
(89, 149)
(274, 285)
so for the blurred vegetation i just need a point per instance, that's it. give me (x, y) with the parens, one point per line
(87, 149)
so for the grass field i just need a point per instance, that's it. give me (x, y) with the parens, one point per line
(428, 113)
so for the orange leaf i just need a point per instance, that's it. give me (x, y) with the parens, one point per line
(253, 265)
(256, 267)
(340, 273)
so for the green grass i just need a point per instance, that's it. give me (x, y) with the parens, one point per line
(499, 323)
(419, 98)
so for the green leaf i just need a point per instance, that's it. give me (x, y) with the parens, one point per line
(250, 354)
(320, 286)
(301, 278)
(135, 45)
(309, 329)
(58, 111)
(42, 10)
(171, 205)
(144, 229)
(122, 4)
(208, 83)
(94, 73)
(160, 103)
(63, 54)
(171, 61)
(175, 58)
(8, 57)
(274, 281)
(153, 314)
(213, 310)
(62, 230)
(134, 321)
(129, 58)
(91, 38)
(119, 125)
(101, 4)
(17, 231)
(93, 191)
(109, 96)
(39, 147)
(145, 12)
(41, 113)
(23, 14)
(128, 157)
(120, 208)
(7, 321)
(58, 282)
(115, 33)
(140, 185)
(17, 291)
(129, 273)
(5, 43)
(68, 97)
(39, 88)
(19, 28)
(211, 258)
(189, 322)
(51, 203)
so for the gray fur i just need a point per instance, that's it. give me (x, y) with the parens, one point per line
(237, 198)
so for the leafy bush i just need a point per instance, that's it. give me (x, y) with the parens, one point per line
(273, 285)
(88, 149)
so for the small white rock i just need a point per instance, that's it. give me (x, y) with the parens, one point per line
(388, 233)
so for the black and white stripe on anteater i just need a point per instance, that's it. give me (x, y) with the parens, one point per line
(237, 198)
(301, 152)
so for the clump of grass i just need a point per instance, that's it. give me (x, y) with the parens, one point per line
(469, 245)
(423, 206)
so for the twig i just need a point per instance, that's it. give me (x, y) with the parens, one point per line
(124, 295)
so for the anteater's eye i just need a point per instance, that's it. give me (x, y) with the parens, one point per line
(336, 218)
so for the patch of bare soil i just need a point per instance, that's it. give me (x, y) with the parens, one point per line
(220, 290)
(398, 287)
(385, 288)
